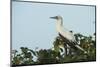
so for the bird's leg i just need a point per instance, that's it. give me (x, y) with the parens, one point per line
(66, 44)
(65, 47)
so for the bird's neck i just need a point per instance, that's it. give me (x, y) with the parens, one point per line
(59, 24)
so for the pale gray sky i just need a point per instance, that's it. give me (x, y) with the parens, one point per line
(32, 27)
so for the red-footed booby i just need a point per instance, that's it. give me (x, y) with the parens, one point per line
(67, 35)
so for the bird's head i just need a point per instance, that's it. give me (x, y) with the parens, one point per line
(56, 17)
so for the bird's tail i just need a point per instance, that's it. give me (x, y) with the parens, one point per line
(77, 46)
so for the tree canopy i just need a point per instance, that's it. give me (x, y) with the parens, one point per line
(53, 56)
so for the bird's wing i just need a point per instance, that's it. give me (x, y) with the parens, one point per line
(67, 34)
(70, 39)
(72, 44)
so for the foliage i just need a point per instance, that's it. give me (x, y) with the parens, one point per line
(25, 57)
(57, 54)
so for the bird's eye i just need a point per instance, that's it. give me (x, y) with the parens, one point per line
(56, 17)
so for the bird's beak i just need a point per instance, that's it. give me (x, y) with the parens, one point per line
(53, 17)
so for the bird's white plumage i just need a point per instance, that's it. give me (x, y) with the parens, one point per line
(65, 33)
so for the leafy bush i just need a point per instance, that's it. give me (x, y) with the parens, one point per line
(50, 56)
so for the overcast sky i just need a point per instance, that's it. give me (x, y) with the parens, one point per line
(32, 27)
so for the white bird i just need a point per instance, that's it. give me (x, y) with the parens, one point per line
(67, 35)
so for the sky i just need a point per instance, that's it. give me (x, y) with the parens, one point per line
(32, 26)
